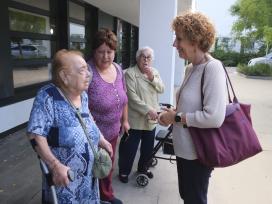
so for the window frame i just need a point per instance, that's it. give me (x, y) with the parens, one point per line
(18, 94)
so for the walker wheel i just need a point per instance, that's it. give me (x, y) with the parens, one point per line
(154, 162)
(142, 180)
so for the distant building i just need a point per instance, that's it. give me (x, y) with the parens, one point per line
(234, 45)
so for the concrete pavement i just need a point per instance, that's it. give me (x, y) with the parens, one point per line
(249, 182)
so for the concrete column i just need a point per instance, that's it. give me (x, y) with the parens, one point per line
(155, 31)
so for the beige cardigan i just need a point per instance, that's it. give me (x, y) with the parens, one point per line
(142, 97)
(213, 114)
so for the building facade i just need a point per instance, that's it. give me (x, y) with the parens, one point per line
(33, 30)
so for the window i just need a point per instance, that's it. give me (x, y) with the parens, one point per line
(77, 37)
(119, 41)
(28, 22)
(29, 49)
(31, 74)
(76, 11)
(77, 27)
(31, 43)
(30, 61)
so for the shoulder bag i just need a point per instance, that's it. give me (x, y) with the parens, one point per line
(231, 143)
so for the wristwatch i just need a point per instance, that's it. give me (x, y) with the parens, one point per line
(178, 117)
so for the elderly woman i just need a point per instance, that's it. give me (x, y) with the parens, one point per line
(143, 86)
(194, 36)
(58, 136)
(108, 99)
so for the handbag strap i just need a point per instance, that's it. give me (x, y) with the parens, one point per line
(81, 121)
(235, 100)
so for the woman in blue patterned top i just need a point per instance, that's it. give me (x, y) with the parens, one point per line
(59, 136)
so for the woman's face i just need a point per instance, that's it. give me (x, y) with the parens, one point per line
(185, 48)
(77, 75)
(104, 56)
(144, 61)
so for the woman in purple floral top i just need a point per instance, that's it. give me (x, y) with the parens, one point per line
(107, 99)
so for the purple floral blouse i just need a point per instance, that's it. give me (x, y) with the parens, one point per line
(107, 101)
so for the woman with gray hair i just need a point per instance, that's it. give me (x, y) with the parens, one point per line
(143, 86)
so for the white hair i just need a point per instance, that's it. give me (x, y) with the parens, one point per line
(143, 49)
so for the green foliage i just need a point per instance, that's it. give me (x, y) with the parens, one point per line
(25, 22)
(255, 70)
(232, 59)
(254, 20)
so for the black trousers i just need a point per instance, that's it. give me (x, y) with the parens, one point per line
(128, 149)
(193, 179)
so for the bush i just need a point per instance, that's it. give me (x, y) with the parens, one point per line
(255, 70)
(232, 59)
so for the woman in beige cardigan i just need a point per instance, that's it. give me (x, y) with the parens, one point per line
(143, 86)
(195, 35)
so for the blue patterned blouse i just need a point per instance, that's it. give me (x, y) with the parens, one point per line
(54, 118)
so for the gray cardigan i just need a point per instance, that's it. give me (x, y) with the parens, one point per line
(189, 102)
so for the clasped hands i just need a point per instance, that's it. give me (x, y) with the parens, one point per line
(167, 117)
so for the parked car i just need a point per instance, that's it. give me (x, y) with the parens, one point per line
(29, 51)
(261, 60)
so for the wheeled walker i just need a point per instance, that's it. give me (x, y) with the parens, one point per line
(164, 138)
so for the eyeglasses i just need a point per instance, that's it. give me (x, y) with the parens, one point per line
(148, 58)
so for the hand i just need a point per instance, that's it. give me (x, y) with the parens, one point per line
(152, 114)
(125, 127)
(149, 73)
(60, 174)
(161, 119)
(167, 117)
(103, 143)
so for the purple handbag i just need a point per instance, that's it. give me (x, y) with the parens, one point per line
(231, 143)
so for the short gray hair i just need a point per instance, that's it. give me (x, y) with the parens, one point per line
(142, 49)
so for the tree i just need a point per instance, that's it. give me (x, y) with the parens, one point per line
(26, 22)
(254, 20)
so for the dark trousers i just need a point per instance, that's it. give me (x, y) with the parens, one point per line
(105, 184)
(128, 149)
(193, 179)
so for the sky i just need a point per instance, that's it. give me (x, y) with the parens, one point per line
(218, 12)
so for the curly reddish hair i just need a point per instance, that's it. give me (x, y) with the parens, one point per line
(197, 28)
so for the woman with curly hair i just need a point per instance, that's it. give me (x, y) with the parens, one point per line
(194, 36)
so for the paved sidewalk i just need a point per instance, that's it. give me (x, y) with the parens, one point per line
(249, 182)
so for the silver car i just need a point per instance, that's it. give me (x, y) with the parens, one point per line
(261, 60)
(29, 51)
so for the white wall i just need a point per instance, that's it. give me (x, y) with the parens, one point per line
(15, 114)
(183, 5)
(179, 70)
(155, 31)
